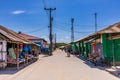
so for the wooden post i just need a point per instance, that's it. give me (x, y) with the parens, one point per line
(26, 55)
(18, 64)
(36, 52)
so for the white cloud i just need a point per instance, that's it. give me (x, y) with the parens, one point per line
(18, 12)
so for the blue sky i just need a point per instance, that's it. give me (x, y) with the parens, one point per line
(29, 16)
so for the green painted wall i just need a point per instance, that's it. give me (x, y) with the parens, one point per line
(79, 48)
(109, 51)
(74, 46)
(117, 49)
(89, 47)
(82, 48)
(111, 48)
(104, 45)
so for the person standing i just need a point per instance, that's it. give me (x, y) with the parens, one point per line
(68, 52)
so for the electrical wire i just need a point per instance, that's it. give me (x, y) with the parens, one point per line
(61, 29)
(65, 23)
(44, 4)
(37, 30)
(74, 31)
(50, 3)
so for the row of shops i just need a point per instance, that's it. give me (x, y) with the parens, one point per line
(103, 45)
(15, 49)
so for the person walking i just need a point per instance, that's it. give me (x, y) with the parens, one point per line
(68, 52)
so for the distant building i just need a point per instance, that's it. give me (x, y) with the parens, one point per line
(40, 41)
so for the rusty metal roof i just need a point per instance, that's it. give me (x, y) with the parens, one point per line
(29, 37)
(13, 36)
(115, 28)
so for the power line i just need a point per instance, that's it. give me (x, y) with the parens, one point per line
(36, 30)
(74, 24)
(44, 4)
(62, 29)
(87, 25)
(50, 3)
(70, 31)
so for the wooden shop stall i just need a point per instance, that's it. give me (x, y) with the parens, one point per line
(14, 48)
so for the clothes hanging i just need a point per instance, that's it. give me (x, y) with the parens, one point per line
(99, 49)
(93, 48)
(25, 48)
(0, 51)
(29, 48)
(12, 53)
(3, 52)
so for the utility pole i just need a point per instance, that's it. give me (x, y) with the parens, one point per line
(55, 41)
(95, 29)
(72, 30)
(95, 22)
(50, 25)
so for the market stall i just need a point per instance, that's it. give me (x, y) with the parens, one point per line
(14, 48)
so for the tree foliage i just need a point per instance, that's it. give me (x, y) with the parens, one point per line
(60, 44)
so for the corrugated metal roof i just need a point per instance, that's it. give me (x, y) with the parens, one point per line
(29, 37)
(115, 28)
(13, 36)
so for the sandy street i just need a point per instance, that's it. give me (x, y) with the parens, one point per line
(59, 67)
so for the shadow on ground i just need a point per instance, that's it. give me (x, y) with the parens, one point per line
(46, 56)
(91, 65)
(8, 71)
(12, 69)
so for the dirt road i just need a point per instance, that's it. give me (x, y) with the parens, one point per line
(60, 67)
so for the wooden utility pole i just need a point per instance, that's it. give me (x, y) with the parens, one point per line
(72, 30)
(95, 30)
(95, 22)
(55, 41)
(50, 25)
